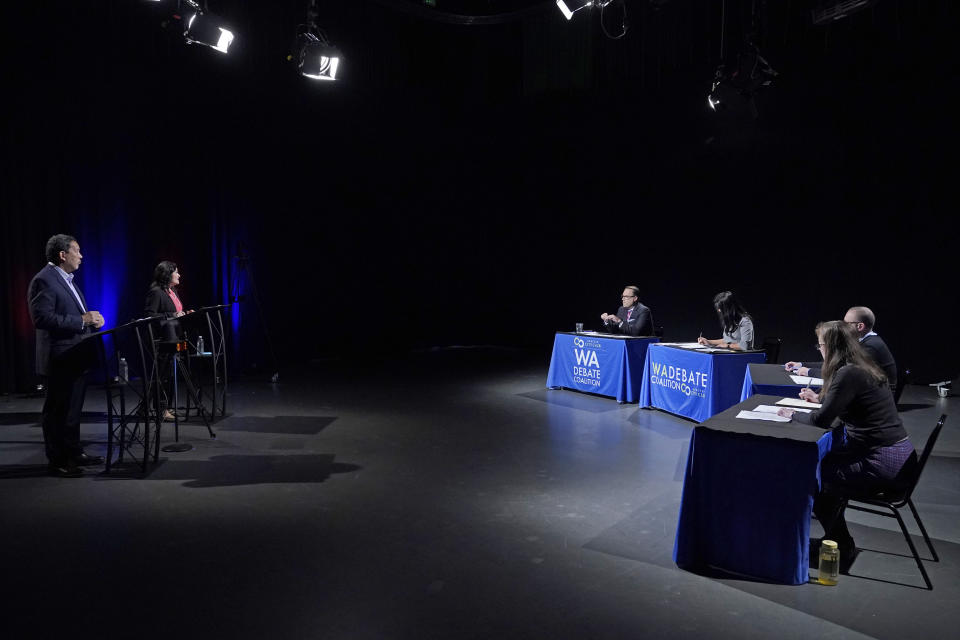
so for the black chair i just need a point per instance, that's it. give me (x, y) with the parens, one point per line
(658, 332)
(903, 379)
(772, 347)
(896, 500)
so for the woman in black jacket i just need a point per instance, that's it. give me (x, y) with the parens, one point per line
(163, 302)
(874, 452)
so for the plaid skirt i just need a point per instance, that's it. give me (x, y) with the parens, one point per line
(869, 469)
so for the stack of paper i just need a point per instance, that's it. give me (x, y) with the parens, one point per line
(807, 380)
(796, 402)
(761, 415)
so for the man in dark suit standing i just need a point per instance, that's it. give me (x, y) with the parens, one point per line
(632, 318)
(861, 319)
(61, 318)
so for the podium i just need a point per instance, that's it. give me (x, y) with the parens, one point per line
(211, 319)
(137, 434)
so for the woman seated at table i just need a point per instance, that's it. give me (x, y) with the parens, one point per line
(874, 452)
(735, 322)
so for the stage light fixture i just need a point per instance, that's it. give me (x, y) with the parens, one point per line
(316, 58)
(205, 28)
(827, 12)
(737, 90)
(570, 7)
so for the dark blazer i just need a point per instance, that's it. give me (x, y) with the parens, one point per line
(878, 351)
(639, 324)
(56, 315)
(158, 304)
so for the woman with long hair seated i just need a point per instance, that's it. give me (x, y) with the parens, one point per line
(874, 452)
(735, 322)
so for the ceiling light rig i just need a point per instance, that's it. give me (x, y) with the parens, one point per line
(315, 57)
(202, 27)
(196, 24)
(735, 89)
(570, 7)
(827, 12)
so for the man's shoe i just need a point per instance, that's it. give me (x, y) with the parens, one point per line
(848, 554)
(83, 460)
(64, 471)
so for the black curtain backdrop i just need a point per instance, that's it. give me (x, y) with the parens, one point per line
(485, 184)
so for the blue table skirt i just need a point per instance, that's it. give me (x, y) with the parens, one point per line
(595, 364)
(693, 384)
(751, 388)
(747, 502)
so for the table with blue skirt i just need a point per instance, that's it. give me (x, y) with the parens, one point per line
(608, 365)
(769, 379)
(691, 383)
(748, 494)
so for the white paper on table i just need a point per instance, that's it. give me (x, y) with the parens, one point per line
(769, 408)
(796, 402)
(807, 380)
(760, 415)
(682, 345)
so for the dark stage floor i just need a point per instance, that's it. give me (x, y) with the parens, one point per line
(446, 495)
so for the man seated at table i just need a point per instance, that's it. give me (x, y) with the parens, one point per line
(861, 319)
(632, 318)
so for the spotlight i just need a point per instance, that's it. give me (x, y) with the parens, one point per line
(316, 58)
(736, 91)
(205, 28)
(570, 7)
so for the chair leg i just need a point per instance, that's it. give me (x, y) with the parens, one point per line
(923, 530)
(913, 548)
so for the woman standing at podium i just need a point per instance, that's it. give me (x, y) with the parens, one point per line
(162, 299)
(736, 323)
(163, 302)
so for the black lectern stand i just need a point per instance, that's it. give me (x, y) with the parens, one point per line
(124, 430)
(193, 323)
(175, 350)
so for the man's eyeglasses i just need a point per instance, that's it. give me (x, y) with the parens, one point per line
(627, 297)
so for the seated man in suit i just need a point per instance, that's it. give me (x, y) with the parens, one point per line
(861, 319)
(632, 318)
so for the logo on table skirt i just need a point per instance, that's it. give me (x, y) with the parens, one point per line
(686, 381)
(587, 369)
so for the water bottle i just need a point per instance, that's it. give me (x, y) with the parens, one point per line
(123, 370)
(829, 567)
(200, 346)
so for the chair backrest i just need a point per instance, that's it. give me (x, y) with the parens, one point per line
(932, 440)
(903, 378)
(772, 347)
(658, 331)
